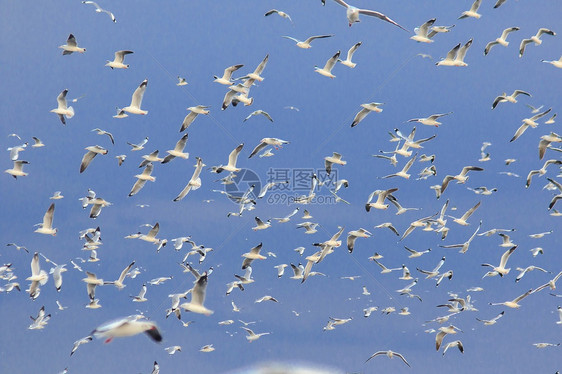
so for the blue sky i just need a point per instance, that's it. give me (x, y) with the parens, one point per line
(198, 40)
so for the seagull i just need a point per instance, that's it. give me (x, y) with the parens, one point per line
(456, 55)
(79, 342)
(252, 336)
(260, 225)
(37, 142)
(71, 46)
(181, 81)
(142, 178)
(173, 349)
(462, 220)
(404, 172)
(18, 247)
(119, 282)
(288, 217)
(136, 100)
(93, 151)
(17, 170)
(207, 348)
(140, 297)
(431, 120)
(194, 111)
(198, 297)
(352, 14)
(529, 122)
(14, 151)
(62, 109)
(100, 10)
(389, 354)
(456, 343)
(327, 69)
(40, 321)
(381, 196)
(266, 298)
(542, 170)
(195, 181)
(258, 112)
(522, 271)
(140, 146)
(334, 159)
(501, 40)
(557, 64)
(415, 253)
(422, 32)
(103, 132)
(500, 269)
(117, 62)
(551, 283)
(472, 12)
(464, 246)
(275, 142)
(38, 277)
(306, 43)
(462, 177)
(347, 62)
(128, 326)
(256, 74)
(367, 108)
(46, 227)
(353, 235)
(310, 228)
(227, 75)
(254, 254)
(491, 321)
(232, 159)
(534, 39)
(282, 14)
(177, 151)
(515, 302)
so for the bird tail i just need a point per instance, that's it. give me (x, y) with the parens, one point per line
(70, 112)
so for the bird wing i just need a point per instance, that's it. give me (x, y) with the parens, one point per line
(261, 66)
(463, 50)
(309, 40)
(188, 120)
(258, 148)
(229, 70)
(61, 99)
(233, 156)
(199, 290)
(139, 184)
(519, 131)
(332, 61)
(71, 41)
(505, 256)
(120, 55)
(352, 50)
(136, 99)
(48, 217)
(359, 116)
(125, 271)
(453, 52)
(380, 16)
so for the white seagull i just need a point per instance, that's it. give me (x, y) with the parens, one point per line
(71, 46)
(353, 13)
(367, 108)
(281, 13)
(501, 40)
(347, 62)
(306, 43)
(117, 62)
(93, 151)
(136, 100)
(327, 69)
(194, 111)
(46, 227)
(101, 10)
(128, 326)
(62, 109)
(534, 39)
(195, 181)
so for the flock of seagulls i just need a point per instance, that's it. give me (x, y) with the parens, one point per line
(423, 234)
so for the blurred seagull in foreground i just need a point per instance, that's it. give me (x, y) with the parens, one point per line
(128, 326)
